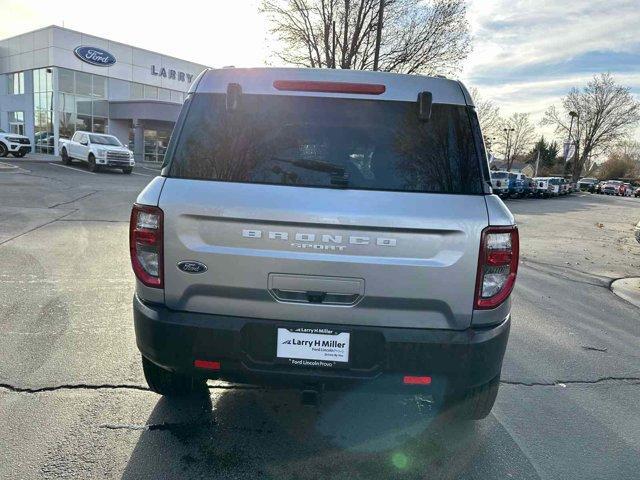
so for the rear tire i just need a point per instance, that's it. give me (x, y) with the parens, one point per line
(170, 384)
(93, 166)
(3, 150)
(66, 159)
(476, 403)
(127, 170)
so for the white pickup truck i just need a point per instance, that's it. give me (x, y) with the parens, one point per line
(97, 150)
(16, 145)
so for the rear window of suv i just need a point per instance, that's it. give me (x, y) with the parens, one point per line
(327, 142)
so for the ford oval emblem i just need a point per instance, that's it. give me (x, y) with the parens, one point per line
(95, 56)
(191, 266)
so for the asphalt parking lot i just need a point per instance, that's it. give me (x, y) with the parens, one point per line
(74, 404)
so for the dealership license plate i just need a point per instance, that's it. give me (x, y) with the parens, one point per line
(313, 347)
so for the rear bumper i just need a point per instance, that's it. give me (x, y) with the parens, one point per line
(380, 357)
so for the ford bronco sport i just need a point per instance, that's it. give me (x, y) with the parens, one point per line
(324, 228)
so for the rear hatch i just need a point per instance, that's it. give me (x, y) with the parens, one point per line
(325, 210)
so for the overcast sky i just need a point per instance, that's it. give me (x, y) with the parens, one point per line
(526, 53)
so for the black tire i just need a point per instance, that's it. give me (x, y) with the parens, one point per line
(66, 159)
(93, 166)
(127, 170)
(18, 154)
(3, 150)
(476, 403)
(170, 384)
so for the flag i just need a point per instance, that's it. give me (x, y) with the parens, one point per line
(569, 150)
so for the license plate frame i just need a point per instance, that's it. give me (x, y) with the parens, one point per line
(313, 347)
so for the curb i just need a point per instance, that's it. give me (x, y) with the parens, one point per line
(627, 289)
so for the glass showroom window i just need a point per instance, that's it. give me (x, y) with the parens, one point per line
(43, 110)
(176, 96)
(155, 144)
(137, 91)
(16, 123)
(82, 103)
(15, 83)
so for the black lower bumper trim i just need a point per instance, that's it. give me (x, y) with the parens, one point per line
(245, 348)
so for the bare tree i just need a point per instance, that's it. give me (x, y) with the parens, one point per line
(489, 117)
(416, 36)
(630, 148)
(516, 134)
(619, 165)
(606, 114)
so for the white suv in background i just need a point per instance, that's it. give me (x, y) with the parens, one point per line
(97, 149)
(16, 145)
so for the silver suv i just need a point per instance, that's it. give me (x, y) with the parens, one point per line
(325, 228)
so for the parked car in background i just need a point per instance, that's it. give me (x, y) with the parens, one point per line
(613, 187)
(597, 188)
(516, 184)
(628, 190)
(542, 187)
(554, 183)
(500, 183)
(97, 150)
(16, 145)
(529, 186)
(586, 183)
(564, 186)
(637, 192)
(573, 187)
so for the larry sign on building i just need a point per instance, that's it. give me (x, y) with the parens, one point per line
(171, 74)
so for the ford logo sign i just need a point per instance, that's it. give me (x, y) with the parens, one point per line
(191, 266)
(95, 56)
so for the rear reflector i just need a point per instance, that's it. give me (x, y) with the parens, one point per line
(409, 380)
(329, 87)
(209, 365)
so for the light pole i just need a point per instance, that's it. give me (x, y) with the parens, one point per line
(376, 51)
(507, 132)
(574, 115)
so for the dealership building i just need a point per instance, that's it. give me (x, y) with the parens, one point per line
(54, 81)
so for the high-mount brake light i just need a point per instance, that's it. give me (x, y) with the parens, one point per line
(329, 87)
(497, 266)
(145, 244)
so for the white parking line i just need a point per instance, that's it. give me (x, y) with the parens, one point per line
(71, 168)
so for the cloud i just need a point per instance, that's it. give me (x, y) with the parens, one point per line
(528, 54)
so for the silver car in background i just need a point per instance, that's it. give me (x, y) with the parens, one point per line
(500, 183)
(322, 229)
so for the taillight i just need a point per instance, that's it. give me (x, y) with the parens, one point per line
(145, 244)
(497, 266)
